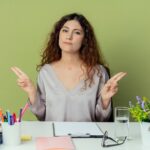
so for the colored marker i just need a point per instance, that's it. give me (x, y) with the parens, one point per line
(8, 117)
(20, 112)
(1, 115)
(24, 109)
(14, 117)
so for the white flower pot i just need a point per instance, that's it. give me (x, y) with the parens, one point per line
(145, 133)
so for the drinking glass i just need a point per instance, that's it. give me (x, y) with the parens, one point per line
(121, 122)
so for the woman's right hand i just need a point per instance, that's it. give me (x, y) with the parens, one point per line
(25, 83)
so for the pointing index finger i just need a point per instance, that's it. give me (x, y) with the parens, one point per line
(121, 76)
(18, 72)
(118, 76)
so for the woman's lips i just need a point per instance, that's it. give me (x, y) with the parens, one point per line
(68, 43)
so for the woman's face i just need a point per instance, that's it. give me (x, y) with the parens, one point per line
(71, 36)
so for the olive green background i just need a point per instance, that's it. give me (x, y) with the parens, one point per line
(122, 28)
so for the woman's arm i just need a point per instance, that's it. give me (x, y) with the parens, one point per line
(36, 96)
(25, 83)
(108, 88)
(39, 106)
(102, 114)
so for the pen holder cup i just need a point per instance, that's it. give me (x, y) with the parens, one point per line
(11, 134)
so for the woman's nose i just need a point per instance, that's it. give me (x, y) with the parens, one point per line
(69, 36)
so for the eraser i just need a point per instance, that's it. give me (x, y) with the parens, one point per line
(26, 137)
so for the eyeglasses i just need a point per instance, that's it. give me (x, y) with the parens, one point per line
(116, 142)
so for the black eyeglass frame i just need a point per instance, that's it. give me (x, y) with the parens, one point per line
(116, 143)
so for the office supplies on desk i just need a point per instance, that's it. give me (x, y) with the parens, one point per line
(26, 138)
(12, 118)
(77, 129)
(54, 143)
(11, 133)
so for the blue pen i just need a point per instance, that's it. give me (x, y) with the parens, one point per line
(8, 117)
(12, 119)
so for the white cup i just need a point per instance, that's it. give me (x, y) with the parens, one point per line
(11, 133)
(121, 122)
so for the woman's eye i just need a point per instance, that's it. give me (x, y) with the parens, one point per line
(77, 32)
(64, 30)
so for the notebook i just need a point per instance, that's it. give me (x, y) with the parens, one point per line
(77, 129)
(54, 143)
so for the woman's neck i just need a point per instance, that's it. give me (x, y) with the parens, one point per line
(70, 60)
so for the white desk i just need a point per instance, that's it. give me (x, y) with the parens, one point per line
(37, 129)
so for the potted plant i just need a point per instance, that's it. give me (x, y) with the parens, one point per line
(141, 110)
(141, 113)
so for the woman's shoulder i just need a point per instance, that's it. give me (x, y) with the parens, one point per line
(104, 70)
(45, 69)
(101, 67)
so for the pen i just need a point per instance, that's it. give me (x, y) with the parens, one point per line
(8, 117)
(20, 112)
(11, 120)
(1, 115)
(5, 118)
(14, 117)
(96, 136)
(85, 136)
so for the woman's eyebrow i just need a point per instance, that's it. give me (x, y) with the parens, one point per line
(73, 29)
(65, 27)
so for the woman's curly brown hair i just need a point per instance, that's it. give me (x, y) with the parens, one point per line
(89, 52)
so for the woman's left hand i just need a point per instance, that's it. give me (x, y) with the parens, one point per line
(111, 88)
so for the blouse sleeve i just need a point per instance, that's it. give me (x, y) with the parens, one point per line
(39, 106)
(101, 113)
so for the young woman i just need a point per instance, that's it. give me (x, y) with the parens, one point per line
(73, 84)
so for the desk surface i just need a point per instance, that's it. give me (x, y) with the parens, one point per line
(38, 129)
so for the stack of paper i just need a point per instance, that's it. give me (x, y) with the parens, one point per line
(54, 143)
